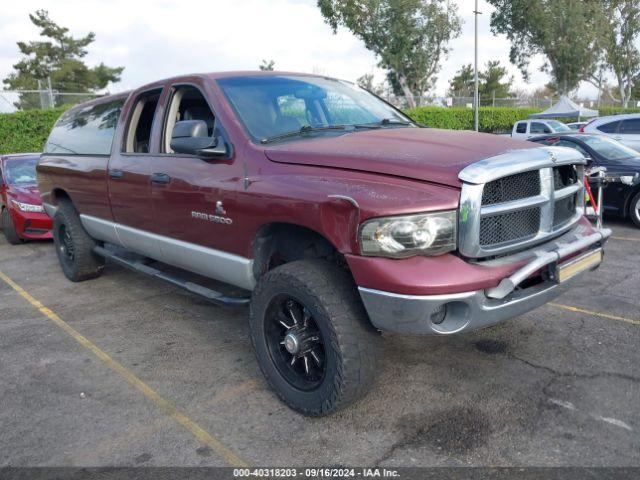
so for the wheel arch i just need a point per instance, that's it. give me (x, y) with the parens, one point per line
(59, 195)
(627, 202)
(277, 243)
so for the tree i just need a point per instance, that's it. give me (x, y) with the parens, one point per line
(491, 81)
(60, 59)
(564, 31)
(267, 65)
(366, 82)
(620, 31)
(635, 91)
(462, 84)
(409, 37)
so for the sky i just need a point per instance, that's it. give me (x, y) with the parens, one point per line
(155, 39)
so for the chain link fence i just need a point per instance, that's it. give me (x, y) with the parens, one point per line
(511, 102)
(16, 100)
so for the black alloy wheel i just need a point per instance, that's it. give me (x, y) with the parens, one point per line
(295, 343)
(66, 243)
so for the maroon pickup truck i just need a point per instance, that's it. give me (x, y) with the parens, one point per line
(338, 215)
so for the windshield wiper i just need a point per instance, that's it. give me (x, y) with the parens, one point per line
(344, 127)
(383, 123)
(393, 121)
(302, 131)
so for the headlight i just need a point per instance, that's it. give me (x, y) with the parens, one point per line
(406, 236)
(27, 207)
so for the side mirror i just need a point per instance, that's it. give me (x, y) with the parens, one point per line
(192, 137)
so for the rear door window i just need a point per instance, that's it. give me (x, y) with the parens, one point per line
(611, 127)
(86, 131)
(138, 137)
(521, 127)
(630, 126)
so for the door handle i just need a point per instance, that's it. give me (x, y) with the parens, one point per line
(160, 178)
(116, 174)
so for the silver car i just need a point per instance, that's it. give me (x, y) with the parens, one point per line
(624, 128)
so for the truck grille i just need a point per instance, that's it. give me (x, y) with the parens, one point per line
(510, 226)
(514, 187)
(515, 210)
(564, 210)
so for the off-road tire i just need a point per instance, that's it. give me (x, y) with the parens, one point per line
(84, 264)
(350, 341)
(9, 229)
(634, 213)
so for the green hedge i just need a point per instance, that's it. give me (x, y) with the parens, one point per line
(491, 119)
(26, 131)
(604, 111)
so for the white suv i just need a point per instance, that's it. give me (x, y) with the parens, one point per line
(624, 128)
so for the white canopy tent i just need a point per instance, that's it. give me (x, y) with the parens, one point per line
(565, 108)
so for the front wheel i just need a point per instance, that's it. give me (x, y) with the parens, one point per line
(9, 229)
(634, 210)
(312, 337)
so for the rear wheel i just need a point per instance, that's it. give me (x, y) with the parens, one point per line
(9, 229)
(312, 337)
(74, 246)
(634, 210)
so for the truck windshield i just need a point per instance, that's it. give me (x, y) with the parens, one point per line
(558, 126)
(21, 172)
(270, 107)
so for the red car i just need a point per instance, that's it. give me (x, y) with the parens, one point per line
(23, 217)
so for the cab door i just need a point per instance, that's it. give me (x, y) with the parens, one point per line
(129, 170)
(194, 198)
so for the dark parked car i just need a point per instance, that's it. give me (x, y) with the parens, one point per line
(622, 196)
(335, 213)
(22, 215)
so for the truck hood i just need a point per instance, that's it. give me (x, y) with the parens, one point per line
(426, 154)
(25, 194)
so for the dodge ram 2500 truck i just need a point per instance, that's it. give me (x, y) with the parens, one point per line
(338, 215)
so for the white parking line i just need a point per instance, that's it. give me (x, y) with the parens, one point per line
(609, 420)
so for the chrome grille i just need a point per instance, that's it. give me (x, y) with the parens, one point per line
(513, 187)
(507, 209)
(564, 210)
(510, 226)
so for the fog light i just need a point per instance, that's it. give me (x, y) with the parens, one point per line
(438, 314)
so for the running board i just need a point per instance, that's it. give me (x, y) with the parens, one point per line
(139, 266)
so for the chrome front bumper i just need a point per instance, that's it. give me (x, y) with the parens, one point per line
(481, 308)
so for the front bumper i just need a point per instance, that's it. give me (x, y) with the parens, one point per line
(32, 225)
(466, 311)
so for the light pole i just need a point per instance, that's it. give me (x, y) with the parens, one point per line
(476, 99)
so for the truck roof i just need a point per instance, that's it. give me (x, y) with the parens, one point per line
(209, 75)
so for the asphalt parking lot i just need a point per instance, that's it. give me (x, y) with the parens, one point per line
(126, 371)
